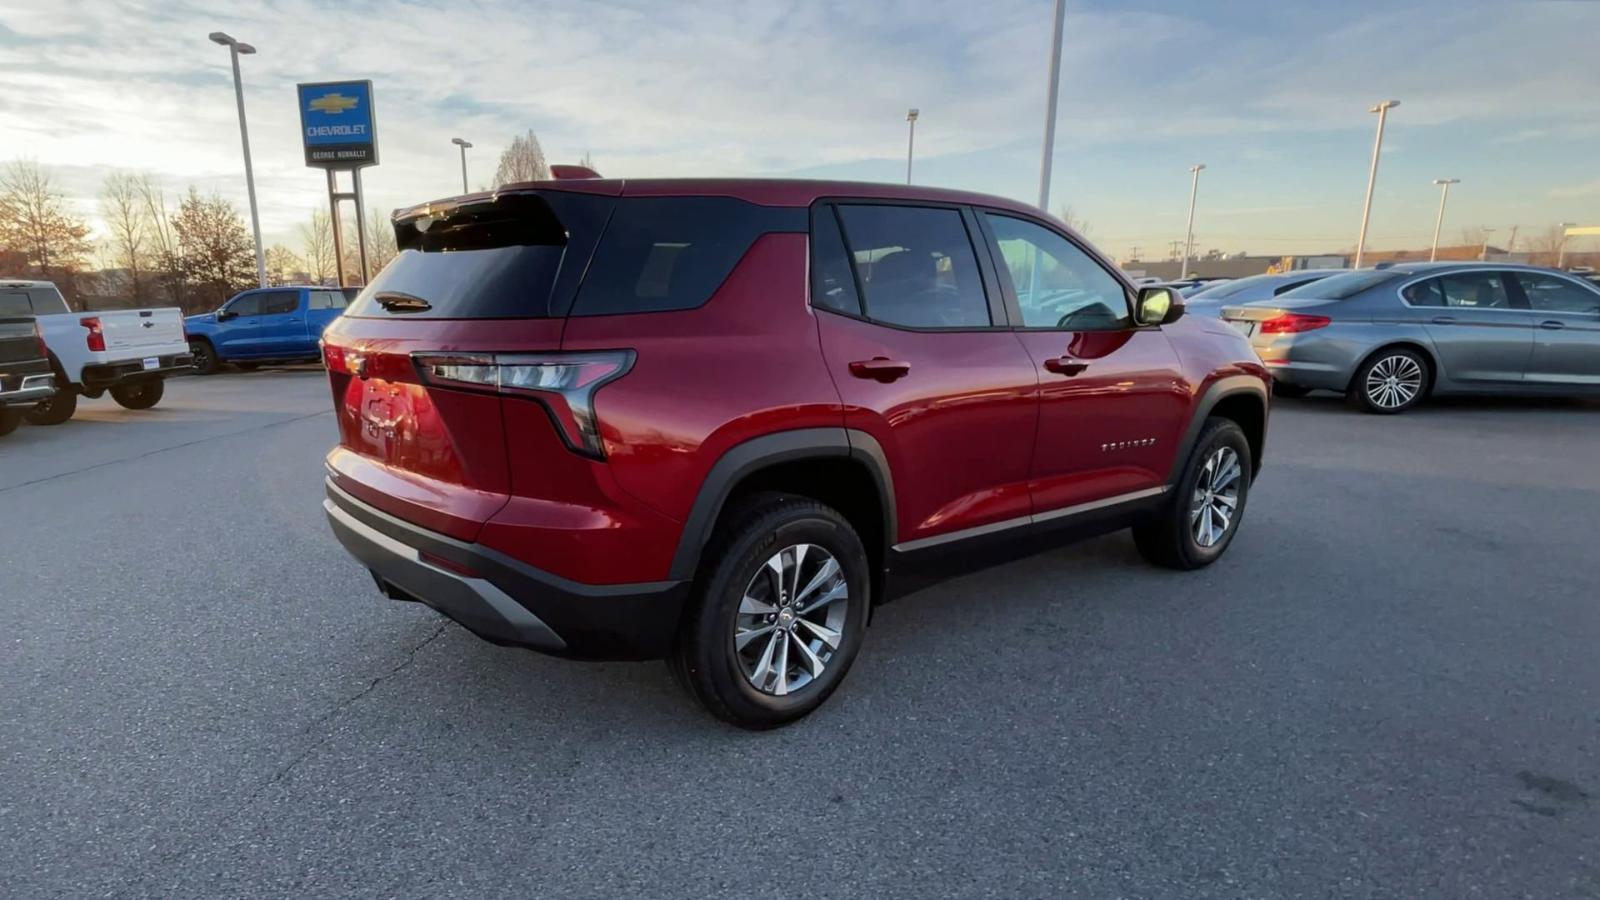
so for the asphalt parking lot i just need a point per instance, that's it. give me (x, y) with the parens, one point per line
(1389, 687)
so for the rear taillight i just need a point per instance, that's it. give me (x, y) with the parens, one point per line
(97, 337)
(38, 337)
(1293, 323)
(564, 382)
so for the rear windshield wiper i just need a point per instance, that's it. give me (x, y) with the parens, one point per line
(398, 302)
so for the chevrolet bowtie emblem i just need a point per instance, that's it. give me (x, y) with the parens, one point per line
(333, 104)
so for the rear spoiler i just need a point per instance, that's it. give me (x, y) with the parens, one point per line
(515, 214)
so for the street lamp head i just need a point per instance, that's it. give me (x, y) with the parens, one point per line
(1197, 167)
(1387, 104)
(460, 143)
(912, 113)
(221, 37)
(1447, 181)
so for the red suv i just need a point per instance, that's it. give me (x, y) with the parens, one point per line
(718, 421)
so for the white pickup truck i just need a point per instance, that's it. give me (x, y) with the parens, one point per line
(128, 352)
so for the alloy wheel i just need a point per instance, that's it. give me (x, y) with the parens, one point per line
(1216, 497)
(1393, 381)
(791, 619)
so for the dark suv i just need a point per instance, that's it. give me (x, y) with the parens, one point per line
(718, 421)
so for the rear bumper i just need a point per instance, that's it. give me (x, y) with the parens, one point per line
(26, 390)
(502, 600)
(97, 376)
(1314, 359)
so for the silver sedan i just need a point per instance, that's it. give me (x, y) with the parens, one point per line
(1387, 338)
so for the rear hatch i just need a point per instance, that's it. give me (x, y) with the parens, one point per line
(132, 332)
(469, 312)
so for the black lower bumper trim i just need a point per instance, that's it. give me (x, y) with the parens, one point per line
(503, 600)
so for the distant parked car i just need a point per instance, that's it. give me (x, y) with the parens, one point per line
(1389, 337)
(1209, 299)
(25, 377)
(1186, 286)
(128, 352)
(280, 324)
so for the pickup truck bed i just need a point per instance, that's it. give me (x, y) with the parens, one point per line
(25, 378)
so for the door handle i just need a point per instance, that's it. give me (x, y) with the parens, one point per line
(1552, 325)
(1444, 320)
(1063, 365)
(880, 368)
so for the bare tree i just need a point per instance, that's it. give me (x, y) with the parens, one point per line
(218, 256)
(36, 224)
(316, 240)
(1473, 236)
(522, 161)
(1545, 245)
(283, 267)
(123, 212)
(167, 266)
(381, 245)
(1074, 221)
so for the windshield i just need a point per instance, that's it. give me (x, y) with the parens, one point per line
(1338, 287)
(1228, 289)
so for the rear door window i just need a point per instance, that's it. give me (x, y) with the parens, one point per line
(661, 254)
(327, 300)
(917, 266)
(276, 303)
(1475, 290)
(833, 285)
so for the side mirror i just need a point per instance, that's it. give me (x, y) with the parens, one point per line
(1158, 306)
(223, 315)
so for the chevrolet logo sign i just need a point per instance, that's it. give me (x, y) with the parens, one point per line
(333, 104)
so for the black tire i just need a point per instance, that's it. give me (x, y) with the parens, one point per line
(1407, 369)
(205, 357)
(705, 658)
(56, 410)
(139, 394)
(1291, 391)
(247, 366)
(9, 420)
(1169, 538)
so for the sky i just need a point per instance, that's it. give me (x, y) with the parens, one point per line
(1271, 96)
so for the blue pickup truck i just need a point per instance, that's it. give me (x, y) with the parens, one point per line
(278, 324)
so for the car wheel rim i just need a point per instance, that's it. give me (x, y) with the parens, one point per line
(1216, 497)
(791, 619)
(1394, 381)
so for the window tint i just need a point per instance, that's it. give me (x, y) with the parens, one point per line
(1425, 293)
(917, 266)
(1475, 290)
(276, 303)
(670, 253)
(248, 305)
(1348, 284)
(15, 303)
(327, 300)
(832, 284)
(1548, 293)
(1057, 284)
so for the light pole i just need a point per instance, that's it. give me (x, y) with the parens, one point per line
(1483, 255)
(235, 48)
(463, 145)
(1561, 248)
(911, 138)
(1382, 109)
(1444, 194)
(1188, 235)
(1050, 108)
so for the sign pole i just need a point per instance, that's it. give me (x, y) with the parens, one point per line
(338, 229)
(361, 226)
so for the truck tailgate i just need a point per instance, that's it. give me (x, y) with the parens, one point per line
(130, 331)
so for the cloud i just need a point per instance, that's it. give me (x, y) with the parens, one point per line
(1579, 190)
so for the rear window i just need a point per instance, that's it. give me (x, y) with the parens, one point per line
(1339, 287)
(516, 256)
(15, 303)
(1230, 288)
(672, 253)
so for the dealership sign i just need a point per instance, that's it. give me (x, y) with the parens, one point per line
(337, 125)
